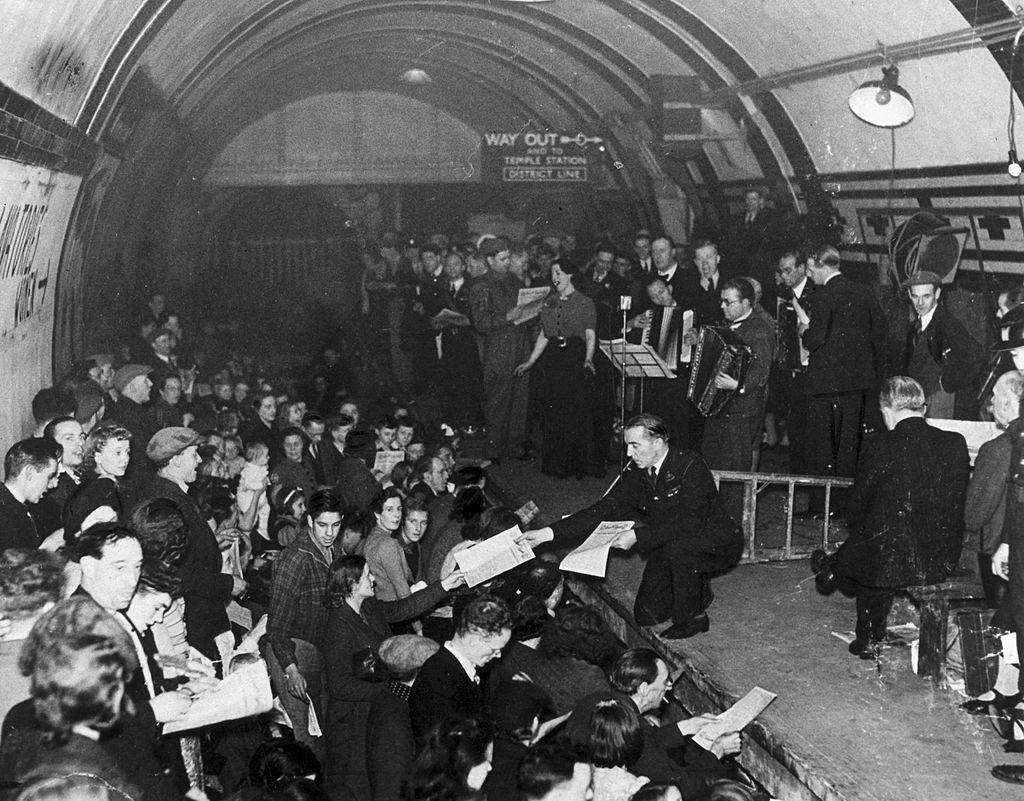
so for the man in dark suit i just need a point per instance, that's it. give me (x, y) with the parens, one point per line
(30, 469)
(731, 437)
(460, 377)
(844, 339)
(449, 682)
(906, 513)
(708, 261)
(640, 679)
(939, 353)
(789, 387)
(680, 526)
(751, 241)
(681, 280)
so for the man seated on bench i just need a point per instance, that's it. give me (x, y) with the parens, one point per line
(906, 513)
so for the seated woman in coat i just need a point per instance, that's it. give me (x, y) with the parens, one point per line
(357, 624)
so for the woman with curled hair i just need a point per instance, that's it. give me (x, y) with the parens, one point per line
(107, 452)
(616, 742)
(357, 623)
(79, 718)
(454, 762)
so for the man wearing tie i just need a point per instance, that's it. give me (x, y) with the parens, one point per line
(731, 437)
(939, 353)
(682, 282)
(707, 259)
(679, 525)
(642, 249)
(792, 312)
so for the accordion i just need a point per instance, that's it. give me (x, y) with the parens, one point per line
(718, 350)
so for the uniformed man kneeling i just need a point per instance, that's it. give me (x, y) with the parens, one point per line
(680, 527)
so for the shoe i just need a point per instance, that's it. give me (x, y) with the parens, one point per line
(977, 706)
(824, 575)
(1014, 774)
(1010, 723)
(865, 648)
(695, 625)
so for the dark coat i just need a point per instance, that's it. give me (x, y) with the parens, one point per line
(390, 746)
(947, 353)
(845, 338)
(91, 494)
(986, 494)
(906, 507)
(348, 475)
(683, 503)
(17, 527)
(49, 512)
(350, 698)
(205, 589)
(441, 689)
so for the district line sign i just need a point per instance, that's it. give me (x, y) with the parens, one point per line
(539, 157)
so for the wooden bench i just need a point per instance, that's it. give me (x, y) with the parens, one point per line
(934, 602)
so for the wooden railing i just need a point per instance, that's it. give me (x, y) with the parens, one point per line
(754, 484)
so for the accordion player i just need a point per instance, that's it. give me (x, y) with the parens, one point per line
(718, 350)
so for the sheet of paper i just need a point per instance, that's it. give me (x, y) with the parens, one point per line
(241, 694)
(736, 717)
(385, 461)
(313, 726)
(530, 300)
(635, 361)
(977, 433)
(493, 556)
(450, 317)
(686, 351)
(527, 512)
(591, 557)
(239, 615)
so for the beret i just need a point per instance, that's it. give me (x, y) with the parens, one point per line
(922, 278)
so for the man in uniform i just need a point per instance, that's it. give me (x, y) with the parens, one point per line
(493, 299)
(679, 525)
(939, 353)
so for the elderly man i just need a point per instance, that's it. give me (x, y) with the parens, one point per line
(30, 469)
(680, 526)
(493, 299)
(939, 353)
(206, 590)
(432, 474)
(906, 513)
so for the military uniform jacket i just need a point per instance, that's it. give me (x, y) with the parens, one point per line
(681, 502)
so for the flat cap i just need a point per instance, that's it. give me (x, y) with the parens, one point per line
(922, 278)
(125, 375)
(493, 246)
(405, 653)
(89, 399)
(168, 442)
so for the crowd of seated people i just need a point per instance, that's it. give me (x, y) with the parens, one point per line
(176, 519)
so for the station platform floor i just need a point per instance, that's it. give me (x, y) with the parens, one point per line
(841, 728)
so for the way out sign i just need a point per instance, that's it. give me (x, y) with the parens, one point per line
(539, 157)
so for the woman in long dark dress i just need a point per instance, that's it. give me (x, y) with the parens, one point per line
(566, 342)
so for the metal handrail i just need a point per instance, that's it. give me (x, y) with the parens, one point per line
(754, 483)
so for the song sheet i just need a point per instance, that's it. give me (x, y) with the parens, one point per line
(493, 556)
(736, 717)
(635, 361)
(527, 512)
(530, 300)
(591, 558)
(385, 461)
(243, 693)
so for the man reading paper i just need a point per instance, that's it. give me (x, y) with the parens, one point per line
(680, 527)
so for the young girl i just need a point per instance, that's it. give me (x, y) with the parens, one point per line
(252, 481)
(234, 461)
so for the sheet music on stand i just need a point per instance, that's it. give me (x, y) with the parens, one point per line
(635, 361)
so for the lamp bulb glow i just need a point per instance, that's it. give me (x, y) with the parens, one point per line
(883, 97)
(1014, 169)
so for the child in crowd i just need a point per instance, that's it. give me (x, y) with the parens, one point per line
(252, 480)
(234, 461)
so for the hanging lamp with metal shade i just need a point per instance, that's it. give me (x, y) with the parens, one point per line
(883, 103)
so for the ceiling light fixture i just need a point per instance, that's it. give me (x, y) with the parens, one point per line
(883, 103)
(415, 77)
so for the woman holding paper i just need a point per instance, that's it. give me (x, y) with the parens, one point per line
(357, 623)
(566, 342)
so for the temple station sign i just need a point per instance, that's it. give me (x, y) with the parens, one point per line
(538, 157)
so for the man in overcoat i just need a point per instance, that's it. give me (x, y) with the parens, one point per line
(906, 513)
